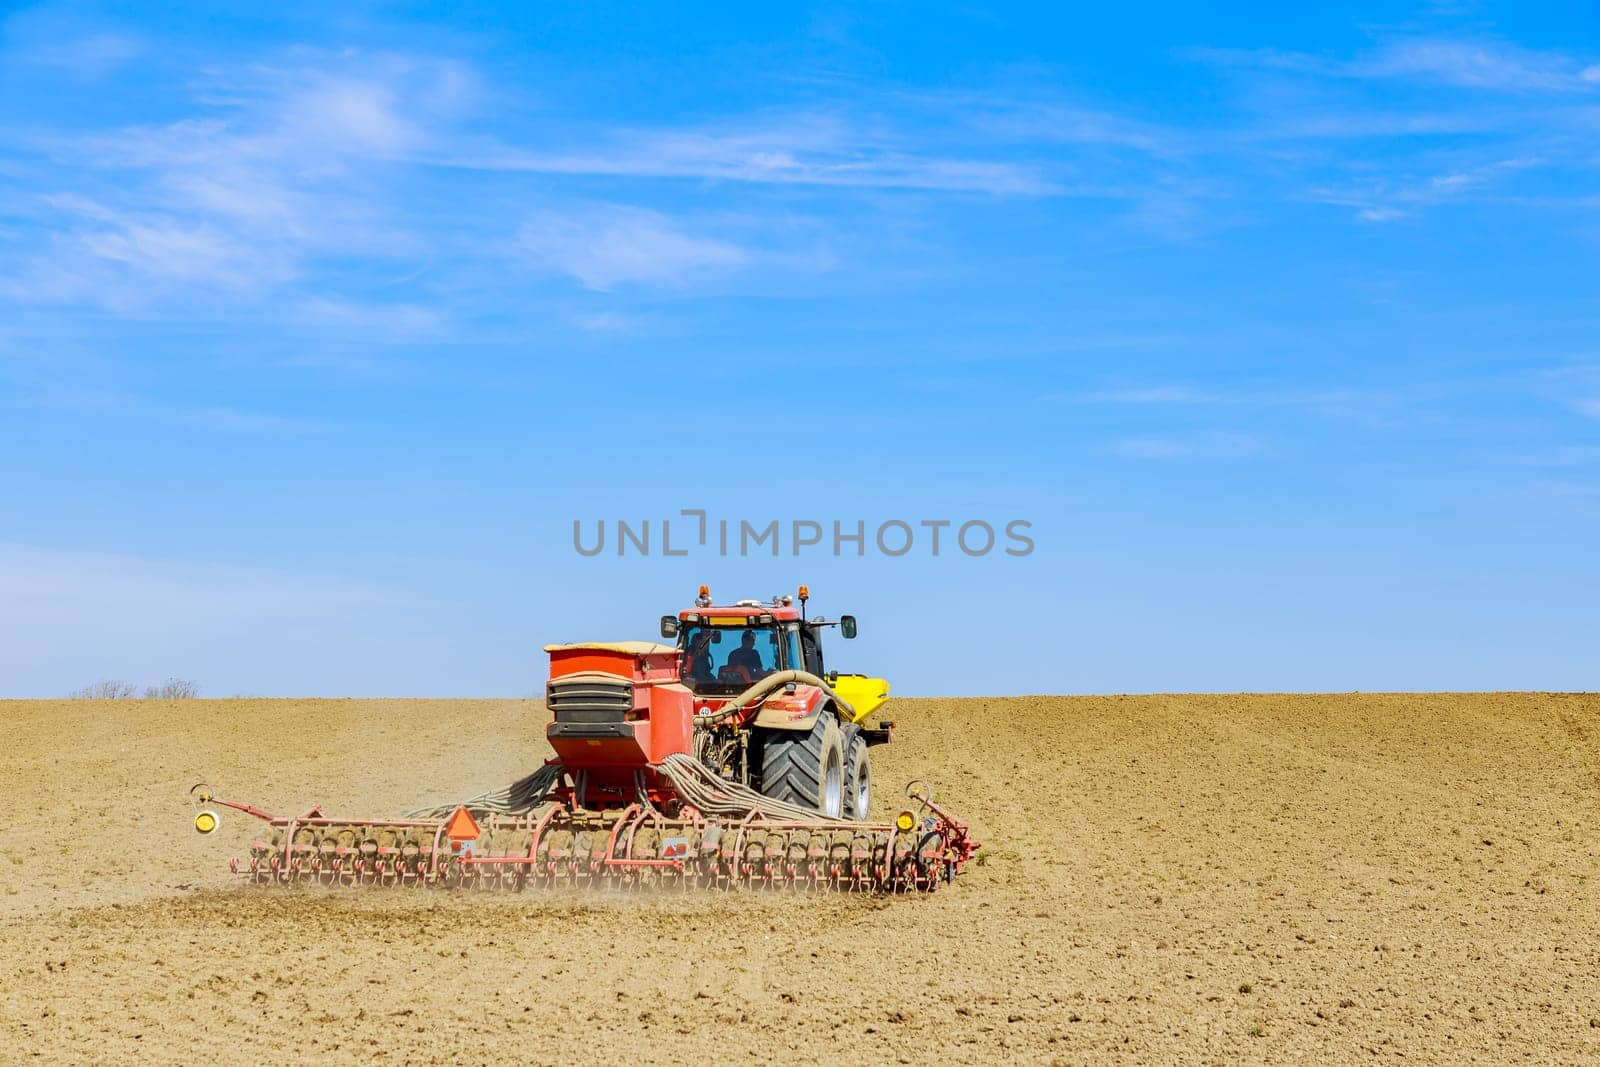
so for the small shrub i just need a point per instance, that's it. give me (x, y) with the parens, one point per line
(172, 689)
(112, 689)
(109, 689)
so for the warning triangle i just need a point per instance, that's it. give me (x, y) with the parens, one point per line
(462, 826)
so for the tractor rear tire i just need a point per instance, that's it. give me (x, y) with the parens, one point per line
(857, 776)
(806, 767)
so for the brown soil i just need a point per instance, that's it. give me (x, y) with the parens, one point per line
(1165, 878)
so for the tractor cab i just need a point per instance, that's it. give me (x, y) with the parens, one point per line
(725, 649)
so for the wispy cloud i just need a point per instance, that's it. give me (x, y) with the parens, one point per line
(1200, 446)
(1453, 61)
(1181, 395)
(783, 150)
(1475, 65)
(92, 57)
(613, 245)
(1463, 120)
(613, 323)
(387, 320)
(1572, 386)
(1054, 123)
(1388, 200)
(290, 169)
(46, 36)
(278, 175)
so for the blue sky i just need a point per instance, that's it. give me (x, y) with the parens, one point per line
(319, 330)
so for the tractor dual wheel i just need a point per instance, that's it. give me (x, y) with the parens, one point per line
(806, 766)
(857, 775)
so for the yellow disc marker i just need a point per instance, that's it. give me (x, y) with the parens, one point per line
(905, 820)
(205, 821)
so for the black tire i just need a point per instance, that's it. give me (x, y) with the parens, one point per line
(857, 776)
(805, 767)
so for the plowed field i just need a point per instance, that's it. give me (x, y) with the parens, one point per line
(1164, 878)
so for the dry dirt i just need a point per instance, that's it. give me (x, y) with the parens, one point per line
(1165, 878)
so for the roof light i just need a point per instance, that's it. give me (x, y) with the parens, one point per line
(805, 593)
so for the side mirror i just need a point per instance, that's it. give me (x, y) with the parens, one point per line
(847, 625)
(669, 626)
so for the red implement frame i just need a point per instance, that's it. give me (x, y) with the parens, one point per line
(561, 844)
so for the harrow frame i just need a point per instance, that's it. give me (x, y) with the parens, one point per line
(636, 847)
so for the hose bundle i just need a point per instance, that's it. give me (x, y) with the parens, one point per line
(695, 783)
(518, 798)
(700, 786)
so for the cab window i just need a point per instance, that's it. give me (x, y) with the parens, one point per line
(734, 656)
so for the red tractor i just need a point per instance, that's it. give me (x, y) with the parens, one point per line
(744, 690)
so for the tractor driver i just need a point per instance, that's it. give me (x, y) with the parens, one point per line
(747, 657)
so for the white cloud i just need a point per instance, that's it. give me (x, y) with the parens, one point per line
(93, 57)
(51, 35)
(1178, 447)
(1055, 123)
(1473, 64)
(286, 168)
(613, 323)
(805, 150)
(1381, 125)
(390, 320)
(1459, 62)
(1385, 200)
(1187, 395)
(248, 197)
(350, 115)
(611, 246)
(287, 171)
(170, 250)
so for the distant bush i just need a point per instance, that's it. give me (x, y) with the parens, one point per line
(172, 689)
(111, 689)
